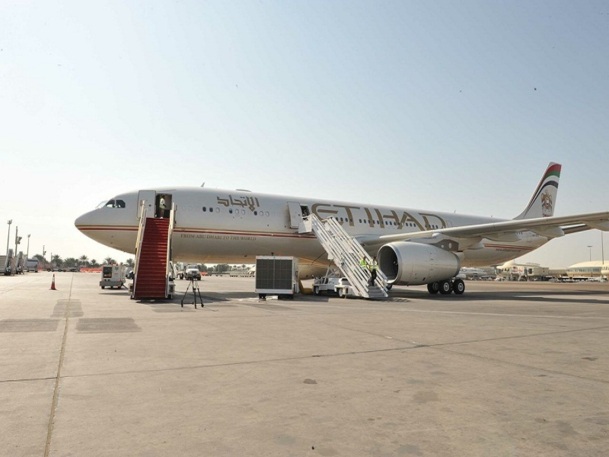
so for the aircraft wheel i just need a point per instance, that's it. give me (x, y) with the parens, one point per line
(389, 286)
(458, 286)
(433, 288)
(316, 290)
(445, 287)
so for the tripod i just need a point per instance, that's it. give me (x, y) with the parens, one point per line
(195, 292)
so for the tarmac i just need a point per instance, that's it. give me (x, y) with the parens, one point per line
(507, 369)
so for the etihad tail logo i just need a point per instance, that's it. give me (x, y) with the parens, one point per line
(547, 204)
(543, 199)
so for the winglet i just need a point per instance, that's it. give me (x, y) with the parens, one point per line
(544, 198)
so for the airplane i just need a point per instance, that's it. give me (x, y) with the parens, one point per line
(474, 273)
(413, 247)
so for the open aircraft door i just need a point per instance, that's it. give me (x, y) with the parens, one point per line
(149, 197)
(297, 212)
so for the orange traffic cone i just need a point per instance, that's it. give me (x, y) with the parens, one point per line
(53, 283)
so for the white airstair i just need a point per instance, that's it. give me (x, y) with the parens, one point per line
(347, 253)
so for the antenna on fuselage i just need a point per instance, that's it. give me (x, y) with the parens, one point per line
(203, 185)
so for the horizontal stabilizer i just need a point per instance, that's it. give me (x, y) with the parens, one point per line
(549, 232)
(599, 225)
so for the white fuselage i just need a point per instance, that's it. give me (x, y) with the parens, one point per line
(224, 226)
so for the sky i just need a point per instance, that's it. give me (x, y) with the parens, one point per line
(443, 105)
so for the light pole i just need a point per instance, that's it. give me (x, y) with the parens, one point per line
(8, 237)
(27, 253)
(590, 248)
(17, 241)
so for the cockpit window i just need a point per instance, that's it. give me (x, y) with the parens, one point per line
(114, 203)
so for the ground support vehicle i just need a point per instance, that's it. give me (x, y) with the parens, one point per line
(276, 275)
(112, 276)
(192, 272)
(334, 284)
(4, 268)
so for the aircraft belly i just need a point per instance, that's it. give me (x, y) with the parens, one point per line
(242, 248)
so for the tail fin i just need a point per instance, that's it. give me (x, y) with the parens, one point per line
(544, 197)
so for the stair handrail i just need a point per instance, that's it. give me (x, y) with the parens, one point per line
(381, 278)
(334, 239)
(138, 242)
(172, 212)
(328, 239)
(351, 259)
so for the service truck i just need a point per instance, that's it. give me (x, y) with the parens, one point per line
(192, 272)
(336, 284)
(32, 265)
(3, 266)
(112, 276)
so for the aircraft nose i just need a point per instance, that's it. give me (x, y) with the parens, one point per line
(82, 221)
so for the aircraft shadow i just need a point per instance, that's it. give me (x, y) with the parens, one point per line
(543, 296)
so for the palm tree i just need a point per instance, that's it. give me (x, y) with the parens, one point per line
(70, 262)
(109, 260)
(56, 260)
(84, 260)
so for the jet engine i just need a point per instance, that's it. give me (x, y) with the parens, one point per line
(414, 264)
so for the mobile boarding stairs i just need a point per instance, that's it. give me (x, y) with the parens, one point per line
(152, 272)
(346, 253)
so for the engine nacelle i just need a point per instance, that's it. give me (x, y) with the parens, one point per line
(414, 264)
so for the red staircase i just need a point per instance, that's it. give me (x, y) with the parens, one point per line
(151, 273)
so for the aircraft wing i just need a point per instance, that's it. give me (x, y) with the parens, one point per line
(506, 231)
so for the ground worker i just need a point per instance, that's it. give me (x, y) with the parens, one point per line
(364, 263)
(373, 268)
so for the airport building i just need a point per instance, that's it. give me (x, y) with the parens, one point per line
(512, 271)
(586, 270)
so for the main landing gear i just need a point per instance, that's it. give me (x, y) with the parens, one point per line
(447, 286)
